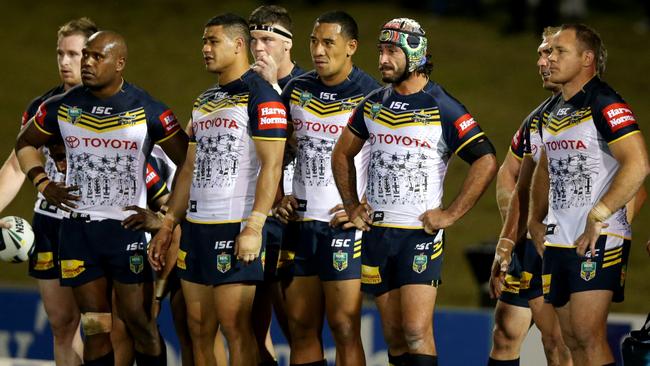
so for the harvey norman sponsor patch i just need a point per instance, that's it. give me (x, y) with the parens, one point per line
(618, 115)
(271, 115)
(464, 124)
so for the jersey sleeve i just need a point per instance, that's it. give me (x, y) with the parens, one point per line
(45, 118)
(286, 98)
(156, 185)
(357, 122)
(267, 113)
(459, 128)
(517, 145)
(613, 118)
(161, 122)
(30, 112)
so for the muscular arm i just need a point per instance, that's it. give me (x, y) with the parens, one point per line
(506, 181)
(479, 176)
(634, 205)
(270, 154)
(30, 139)
(344, 170)
(180, 195)
(11, 179)
(632, 157)
(538, 207)
(514, 225)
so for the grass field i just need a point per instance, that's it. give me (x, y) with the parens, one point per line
(494, 76)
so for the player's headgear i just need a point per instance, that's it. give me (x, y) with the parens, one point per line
(408, 35)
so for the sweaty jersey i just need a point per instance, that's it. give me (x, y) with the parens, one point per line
(287, 175)
(576, 135)
(42, 206)
(527, 140)
(412, 137)
(107, 145)
(319, 114)
(226, 119)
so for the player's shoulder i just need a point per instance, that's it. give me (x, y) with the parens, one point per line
(445, 101)
(303, 80)
(603, 95)
(133, 91)
(36, 102)
(258, 86)
(366, 82)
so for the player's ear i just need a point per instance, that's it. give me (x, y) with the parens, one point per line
(351, 47)
(121, 64)
(240, 45)
(588, 58)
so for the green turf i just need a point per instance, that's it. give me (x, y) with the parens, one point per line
(495, 77)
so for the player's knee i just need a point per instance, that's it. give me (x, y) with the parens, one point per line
(64, 326)
(344, 329)
(96, 323)
(394, 334)
(416, 334)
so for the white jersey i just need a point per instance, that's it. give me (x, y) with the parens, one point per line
(107, 145)
(319, 114)
(576, 135)
(225, 122)
(412, 138)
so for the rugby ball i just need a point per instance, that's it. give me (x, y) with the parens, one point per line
(16, 242)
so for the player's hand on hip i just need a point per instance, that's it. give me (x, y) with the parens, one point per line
(500, 265)
(248, 245)
(436, 219)
(59, 195)
(142, 219)
(159, 245)
(587, 240)
(537, 231)
(286, 209)
(359, 215)
(340, 217)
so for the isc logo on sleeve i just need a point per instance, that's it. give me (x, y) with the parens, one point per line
(271, 115)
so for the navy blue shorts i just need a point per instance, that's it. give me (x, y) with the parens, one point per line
(207, 255)
(566, 273)
(395, 257)
(512, 288)
(44, 261)
(332, 254)
(530, 283)
(280, 249)
(93, 249)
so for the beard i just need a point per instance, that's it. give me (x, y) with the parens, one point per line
(396, 78)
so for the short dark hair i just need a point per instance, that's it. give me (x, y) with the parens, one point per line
(271, 14)
(234, 25)
(590, 40)
(349, 27)
(83, 26)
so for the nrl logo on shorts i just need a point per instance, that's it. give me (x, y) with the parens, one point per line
(421, 117)
(223, 263)
(420, 263)
(587, 270)
(340, 260)
(348, 105)
(136, 263)
(305, 98)
(127, 119)
(375, 109)
(73, 114)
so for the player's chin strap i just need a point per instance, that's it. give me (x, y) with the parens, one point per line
(96, 323)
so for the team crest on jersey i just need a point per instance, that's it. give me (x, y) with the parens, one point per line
(420, 263)
(340, 260)
(73, 114)
(224, 263)
(348, 105)
(587, 270)
(136, 263)
(422, 117)
(127, 119)
(305, 98)
(375, 109)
